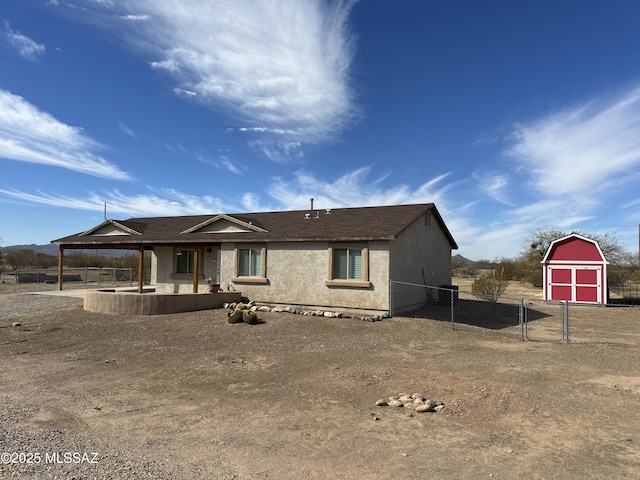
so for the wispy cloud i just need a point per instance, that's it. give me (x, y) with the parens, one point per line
(30, 135)
(284, 66)
(157, 203)
(23, 45)
(169, 65)
(225, 163)
(184, 92)
(583, 150)
(353, 189)
(493, 185)
(565, 165)
(126, 130)
(135, 18)
(222, 161)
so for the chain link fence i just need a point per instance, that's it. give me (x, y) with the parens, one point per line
(533, 320)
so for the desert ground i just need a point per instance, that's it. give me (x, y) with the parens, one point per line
(189, 396)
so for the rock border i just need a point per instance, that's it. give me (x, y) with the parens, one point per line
(256, 307)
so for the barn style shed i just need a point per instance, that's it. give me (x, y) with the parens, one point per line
(575, 270)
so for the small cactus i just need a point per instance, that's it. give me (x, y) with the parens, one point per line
(250, 317)
(234, 317)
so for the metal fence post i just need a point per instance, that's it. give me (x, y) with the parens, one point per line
(390, 298)
(563, 310)
(521, 319)
(453, 327)
(567, 324)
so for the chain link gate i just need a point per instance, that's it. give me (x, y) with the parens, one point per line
(546, 321)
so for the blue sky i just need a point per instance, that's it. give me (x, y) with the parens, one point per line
(509, 116)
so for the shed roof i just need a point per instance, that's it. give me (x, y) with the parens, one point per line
(574, 248)
(340, 224)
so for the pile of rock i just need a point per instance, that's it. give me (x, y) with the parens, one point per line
(416, 402)
(254, 307)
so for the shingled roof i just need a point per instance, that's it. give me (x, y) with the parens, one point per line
(340, 224)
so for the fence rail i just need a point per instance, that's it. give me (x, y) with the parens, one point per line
(99, 276)
(526, 319)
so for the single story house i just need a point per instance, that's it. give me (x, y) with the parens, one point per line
(575, 270)
(339, 258)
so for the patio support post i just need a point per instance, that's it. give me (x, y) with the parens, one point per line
(196, 268)
(60, 263)
(141, 269)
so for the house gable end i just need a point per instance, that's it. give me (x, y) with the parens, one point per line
(223, 224)
(110, 228)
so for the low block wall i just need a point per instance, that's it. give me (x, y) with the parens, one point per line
(114, 302)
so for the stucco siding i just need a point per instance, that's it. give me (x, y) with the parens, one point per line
(296, 273)
(422, 247)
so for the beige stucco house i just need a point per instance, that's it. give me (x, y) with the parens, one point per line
(340, 258)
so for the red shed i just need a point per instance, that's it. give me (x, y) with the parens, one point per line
(575, 270)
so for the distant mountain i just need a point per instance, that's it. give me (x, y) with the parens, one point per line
(50, 249)
(460, 259)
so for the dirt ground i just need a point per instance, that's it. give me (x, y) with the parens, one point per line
(190, 396)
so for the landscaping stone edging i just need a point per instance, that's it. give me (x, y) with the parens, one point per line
(300, 311)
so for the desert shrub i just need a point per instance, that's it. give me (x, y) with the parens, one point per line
(490, 286)
(464, 270)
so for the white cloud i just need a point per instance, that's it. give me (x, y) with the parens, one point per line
(127, 130)
(353, 189)
(349, 190)
(284, 66)
(183, 92)
(277, 150)
(582, 151)
(562, 169)
(225, 163)
(30, 135)
(135, 18)
(159, 203)
(169, 65)
(26, 47)
(493, 185)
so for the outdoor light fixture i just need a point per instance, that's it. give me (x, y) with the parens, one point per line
(179, 252)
